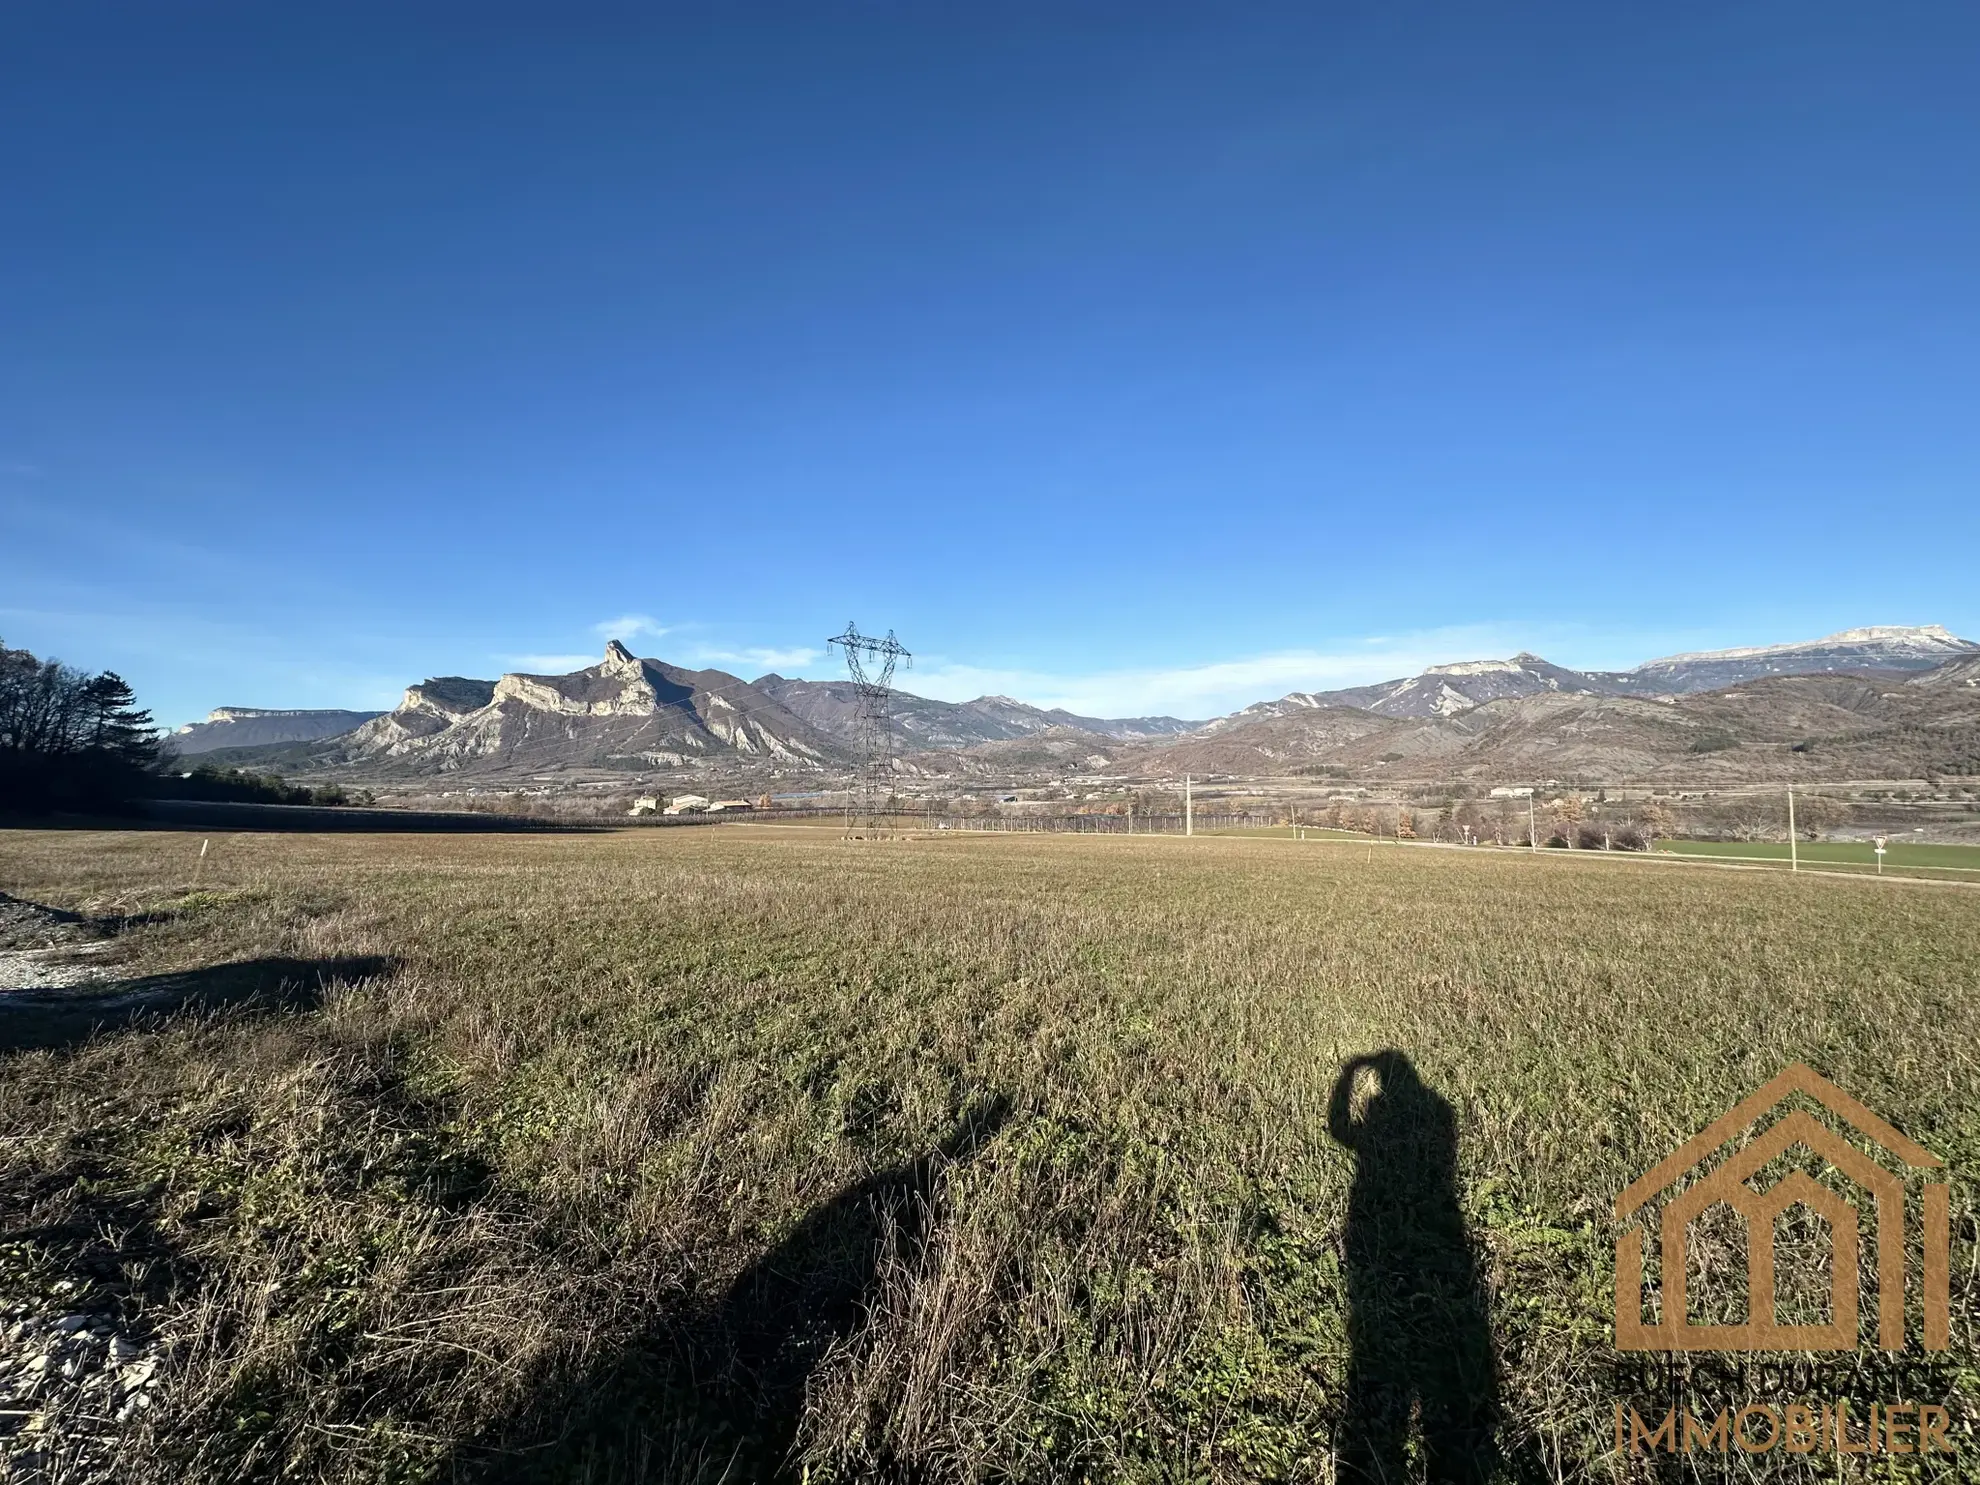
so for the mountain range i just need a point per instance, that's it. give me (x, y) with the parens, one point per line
(1828, 726)
(1917, 688)
(1887, 701)
(831, 706)
(1445, 690)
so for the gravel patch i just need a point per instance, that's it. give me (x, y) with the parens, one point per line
(72, 1384)
(50, 969)
(44, 948)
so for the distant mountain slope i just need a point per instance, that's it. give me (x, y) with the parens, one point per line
(1878, 647)
(1446, 690)
(1785, 707)
(921, 723)
(622, 712)
(1574, 736)
(254, 727)
(1440, 691)
(1963, 673)
(1268, 744)
(1054, 749)
(1809, 726)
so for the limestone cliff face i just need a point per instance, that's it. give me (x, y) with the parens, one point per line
(449, 696)
(432, 706)
(618, 686)
(624, 709)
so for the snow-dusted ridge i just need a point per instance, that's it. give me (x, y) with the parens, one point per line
(1446, 690)
(1923, 639)
(1480, 667)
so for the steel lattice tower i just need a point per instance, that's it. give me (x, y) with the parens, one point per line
(870, 664)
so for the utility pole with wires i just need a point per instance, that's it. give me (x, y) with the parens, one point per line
(1189, 807)
(870, 665)
(1794, 854)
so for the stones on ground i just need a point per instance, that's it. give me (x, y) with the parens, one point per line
(39, 947)
(70, 1385)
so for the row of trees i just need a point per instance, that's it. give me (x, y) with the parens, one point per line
(243, 786)
(1570, 822)
(1575, 821)
(1762, 816)
(76, 742)
(68, 739)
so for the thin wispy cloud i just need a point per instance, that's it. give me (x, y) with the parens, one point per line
(760, 657)
(1216, 687)
(632, 626)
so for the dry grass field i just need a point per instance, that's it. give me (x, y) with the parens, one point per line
(717, 1154)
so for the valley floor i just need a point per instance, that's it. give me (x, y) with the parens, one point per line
(704, 1154)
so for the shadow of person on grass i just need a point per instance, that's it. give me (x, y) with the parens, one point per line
(67, 1016)
(1422, 1389)
(717, 1393)
(35, 925)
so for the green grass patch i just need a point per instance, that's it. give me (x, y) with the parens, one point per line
(1900, 855)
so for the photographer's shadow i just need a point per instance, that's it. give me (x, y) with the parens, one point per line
(715, 1394)
(1422, 1390)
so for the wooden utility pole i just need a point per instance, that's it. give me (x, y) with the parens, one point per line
(1794, 853)
(1189, 807)
(1532, 830)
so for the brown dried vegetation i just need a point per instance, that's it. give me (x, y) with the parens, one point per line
(697, 1155)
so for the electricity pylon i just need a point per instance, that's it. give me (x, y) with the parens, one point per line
(870, 665)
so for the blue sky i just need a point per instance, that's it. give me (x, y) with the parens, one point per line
(1127, 357)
